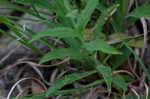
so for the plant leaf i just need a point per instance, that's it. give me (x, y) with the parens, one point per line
(106, 72)
(62, 53)
(141, 11)
(85, 15)
(17, 34)
(40, 3)
(101, 45)
(61, 32)
(61, 10)
(68, 79)
(119, 17)
(19, 8)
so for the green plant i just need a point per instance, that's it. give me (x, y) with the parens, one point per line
(82, 42)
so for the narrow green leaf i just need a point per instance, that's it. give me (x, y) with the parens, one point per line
(85, 15)
(94, 83)
(31, 33)
(140, 61)
(62, 53)
(18, 34)
(18, 8)
(22, 42)
(68, 79)
(118, 20)
(39, 3)
(81, 89)
(5, 21)
(101, 45)
(69, 91)
(106, 72)
(141, 11)
(61, 10)
(61, 32)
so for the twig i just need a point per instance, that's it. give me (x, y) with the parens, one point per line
(122, 71)
(145, 36)
(33, 64)
(61, 74)
(53, 76)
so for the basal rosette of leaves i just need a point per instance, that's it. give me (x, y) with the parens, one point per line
(90, 44)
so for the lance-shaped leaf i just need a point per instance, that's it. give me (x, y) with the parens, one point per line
(41, 3)
(85, 15)
(101, 45)
(68, 79)
(62, 53)
(60, 32)
(106, 72)
(61, 9)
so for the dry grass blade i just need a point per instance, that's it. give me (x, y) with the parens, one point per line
(122, 71)
(19, 88)
(145, 29)
(138, 96)
(21, 93)
(146, 86)
(105, 20)
(41, 75)
(61, 74)
(133, 67)
(24, 79)
(131, 2)
(137, 50)
(118, 41)
(53, 76)
(33, 64)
